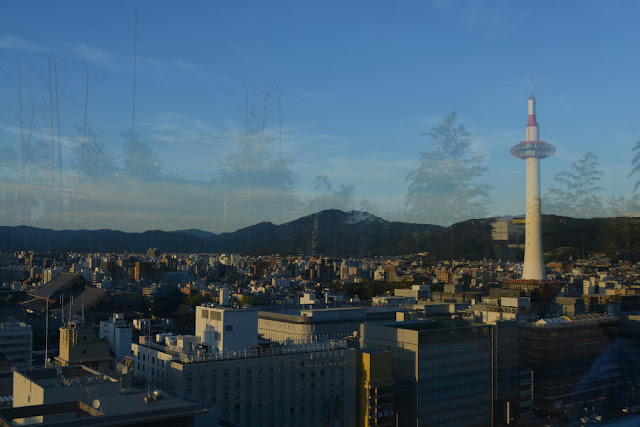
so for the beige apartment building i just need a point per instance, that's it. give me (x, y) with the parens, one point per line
(78, 345)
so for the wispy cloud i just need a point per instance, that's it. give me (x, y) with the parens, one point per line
(42, 133)
(19, 43)
(184, 65)
(167, 63)
(90, 53)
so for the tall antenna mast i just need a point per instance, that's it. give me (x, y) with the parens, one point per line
(84, 125)
(50, 125)
(22, 147)
(149, 358)
(531, 87)
(27, 144)
(280, 125)
(46, 338)
(135, 58)
(55, 82)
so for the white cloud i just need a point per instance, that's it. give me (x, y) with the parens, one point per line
(90, 53)
(19, 43)
(184, 65)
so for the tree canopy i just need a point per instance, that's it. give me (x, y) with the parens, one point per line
(140, 161)
(576, 191)
(443, 189)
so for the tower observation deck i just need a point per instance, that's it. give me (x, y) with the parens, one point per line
(532, 149)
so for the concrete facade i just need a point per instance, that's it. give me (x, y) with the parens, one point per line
(442, 370)
(227, 329)
(78, 345)
(16, 343)
(119, 334)
(303, 326)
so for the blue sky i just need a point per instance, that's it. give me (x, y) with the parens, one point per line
(357, 82)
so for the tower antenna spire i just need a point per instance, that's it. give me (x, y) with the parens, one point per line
(531, 86)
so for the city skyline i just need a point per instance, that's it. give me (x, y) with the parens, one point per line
(348, 92)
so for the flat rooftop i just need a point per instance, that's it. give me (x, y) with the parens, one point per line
(129, 409)
(67, 376)
(431, 324)
(316, 315)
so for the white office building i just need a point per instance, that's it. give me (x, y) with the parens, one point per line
(227, 329)
(119, 334)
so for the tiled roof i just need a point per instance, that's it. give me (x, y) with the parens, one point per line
(62, 281)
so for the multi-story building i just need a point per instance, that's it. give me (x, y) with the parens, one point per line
(442, 370)
(79, 396)
(570, 361)
(62, 384)
(294, 385)
(374, 388)
(302, 326)
(16, 343)
(267, 384)
(417, 292)
(286, 385)
(496, 308)
(119, 334)
(78, 345)
(227, 329)
(513, 388)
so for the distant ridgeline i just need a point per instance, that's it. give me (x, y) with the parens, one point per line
(337, 233)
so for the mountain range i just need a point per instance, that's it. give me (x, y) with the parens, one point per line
(338, 233)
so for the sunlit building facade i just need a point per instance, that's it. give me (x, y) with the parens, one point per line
(442, 370)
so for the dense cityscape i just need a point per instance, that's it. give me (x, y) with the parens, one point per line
(292, 340)
(335, 214)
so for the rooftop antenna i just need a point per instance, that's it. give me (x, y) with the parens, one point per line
(82, 301)
(46, 338)
(149, 358)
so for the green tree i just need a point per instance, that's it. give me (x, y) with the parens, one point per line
(140, 161)
(619, 206)
(255, 180)
(576, 193)
(328, 197)
(443, 188)
(92, 160)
